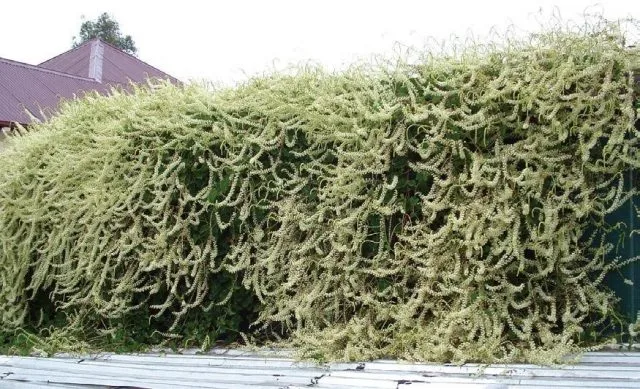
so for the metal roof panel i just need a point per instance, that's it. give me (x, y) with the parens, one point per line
(267, 369)
(27, 87)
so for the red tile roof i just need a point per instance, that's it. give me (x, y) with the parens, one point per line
(94, 65)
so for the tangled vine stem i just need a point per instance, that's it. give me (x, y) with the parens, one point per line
(450, 209)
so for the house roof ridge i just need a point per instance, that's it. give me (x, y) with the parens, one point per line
(117, 49)
(44, 70)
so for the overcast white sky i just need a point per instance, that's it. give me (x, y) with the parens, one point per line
(224, 40)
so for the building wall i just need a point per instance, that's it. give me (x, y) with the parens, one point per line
(4, 132)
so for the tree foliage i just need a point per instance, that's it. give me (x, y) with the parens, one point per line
(107, 29)
(450, 209)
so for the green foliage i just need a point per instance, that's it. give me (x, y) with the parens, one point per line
(450, 209)
(107, 29)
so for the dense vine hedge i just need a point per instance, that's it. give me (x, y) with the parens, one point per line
(450, 209)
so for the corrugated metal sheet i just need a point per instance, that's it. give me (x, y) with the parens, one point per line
(238, 369)
(117, 66)
(120, 67)
(74, 61)
(24, 86)
(35, 88)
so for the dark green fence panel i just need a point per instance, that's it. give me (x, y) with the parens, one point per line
(628, 246)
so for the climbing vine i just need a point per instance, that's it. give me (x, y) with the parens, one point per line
(445, 209)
